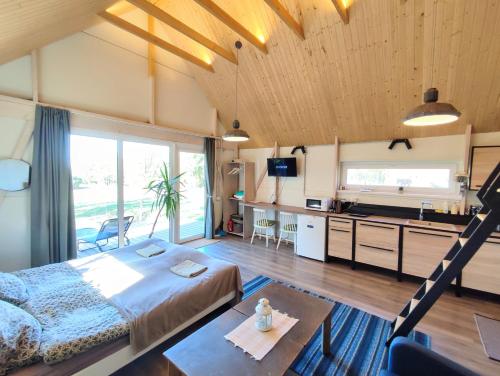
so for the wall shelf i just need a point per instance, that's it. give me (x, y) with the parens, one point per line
(244, 180)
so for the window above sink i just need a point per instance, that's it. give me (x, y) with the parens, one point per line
(415, 178)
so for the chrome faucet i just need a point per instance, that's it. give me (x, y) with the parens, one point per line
(422, 204)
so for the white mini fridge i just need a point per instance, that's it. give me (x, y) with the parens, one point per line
(311, 236)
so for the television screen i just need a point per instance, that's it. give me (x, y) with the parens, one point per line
(282, 167)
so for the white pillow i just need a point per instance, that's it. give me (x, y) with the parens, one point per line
(12, 289)
(20, 335)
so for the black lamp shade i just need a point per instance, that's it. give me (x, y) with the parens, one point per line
(236, 134)
(431, 112)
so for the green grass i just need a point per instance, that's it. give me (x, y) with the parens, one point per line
(110, 209)
(84, 211)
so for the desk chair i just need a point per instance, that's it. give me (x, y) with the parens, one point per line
(263, 225)
(288, 226)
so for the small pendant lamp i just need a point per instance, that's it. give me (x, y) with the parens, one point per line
(432, 112)
(236, 134)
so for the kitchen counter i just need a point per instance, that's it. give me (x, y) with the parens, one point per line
(402, 222)
(286, 208)
(412, 248)
(435, 226)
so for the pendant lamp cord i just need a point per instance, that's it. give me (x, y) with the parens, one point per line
(434, 42)
(236, 96)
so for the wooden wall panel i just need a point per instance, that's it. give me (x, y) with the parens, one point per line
(27, 25)
(355, 81)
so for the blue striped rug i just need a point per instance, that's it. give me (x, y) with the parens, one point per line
(357, 341)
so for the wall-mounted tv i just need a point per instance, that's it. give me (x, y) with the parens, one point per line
(282, 166)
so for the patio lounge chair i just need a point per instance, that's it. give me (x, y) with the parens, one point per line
(108, 230)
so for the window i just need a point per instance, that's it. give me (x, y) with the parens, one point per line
(94, 170)
(141, 165)
(415, 177)
(112, 204)
(192, 205)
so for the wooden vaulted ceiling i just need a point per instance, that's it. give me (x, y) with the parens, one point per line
(29, 24)
(353, 78)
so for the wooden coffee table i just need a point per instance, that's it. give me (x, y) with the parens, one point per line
(207, 352)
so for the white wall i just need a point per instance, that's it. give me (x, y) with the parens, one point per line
(14, 206)
(15, 78)
(319, 174)
(86, 73)
(319, 181)
(105, 70)
(102, 70)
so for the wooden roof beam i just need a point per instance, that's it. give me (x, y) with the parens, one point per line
(218, 12)
(286, 17)
(342, 9)
(166, 18)
(148, 37)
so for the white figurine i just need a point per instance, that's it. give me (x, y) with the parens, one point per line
(264, 315)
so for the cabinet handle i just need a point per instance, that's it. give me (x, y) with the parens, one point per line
(379, 248)
(426, 233)
(336, 220)
(339, 230)
(478, 185)
(489, 241)
(378, 226)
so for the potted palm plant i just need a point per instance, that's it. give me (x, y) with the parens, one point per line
(167, 195)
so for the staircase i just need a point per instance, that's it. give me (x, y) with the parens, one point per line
(471, 239)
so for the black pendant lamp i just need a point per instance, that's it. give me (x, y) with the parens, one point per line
(432, 112)
(236, 134)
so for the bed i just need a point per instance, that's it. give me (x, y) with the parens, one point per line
(101, 312)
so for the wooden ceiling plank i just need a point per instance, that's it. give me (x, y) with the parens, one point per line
(309, 91)
(286, 17)
(148, 37)
(181, 27)
(151, 74)
(342, 10)
(218, 12)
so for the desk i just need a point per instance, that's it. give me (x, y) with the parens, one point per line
(248, 213)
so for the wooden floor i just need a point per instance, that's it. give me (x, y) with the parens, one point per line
(450, 322)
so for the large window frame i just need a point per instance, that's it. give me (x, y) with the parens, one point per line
(452, 191)
(189, 148)
(174, 151)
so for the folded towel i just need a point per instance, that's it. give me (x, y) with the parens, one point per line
(150, 251)
(188, 269)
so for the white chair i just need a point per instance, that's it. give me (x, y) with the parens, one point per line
(288, 227)
(262, 225)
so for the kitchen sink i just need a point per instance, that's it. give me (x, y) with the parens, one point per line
(436, 225)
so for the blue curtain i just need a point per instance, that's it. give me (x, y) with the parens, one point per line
(209, 146)
(53, 237)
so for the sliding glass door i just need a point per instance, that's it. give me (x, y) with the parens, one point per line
(113, 206)
(192, 204)
(142, 163)
(94, 169)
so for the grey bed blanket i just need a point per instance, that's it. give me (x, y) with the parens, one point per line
(96, 299)
(73, 315)
(154, 299)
